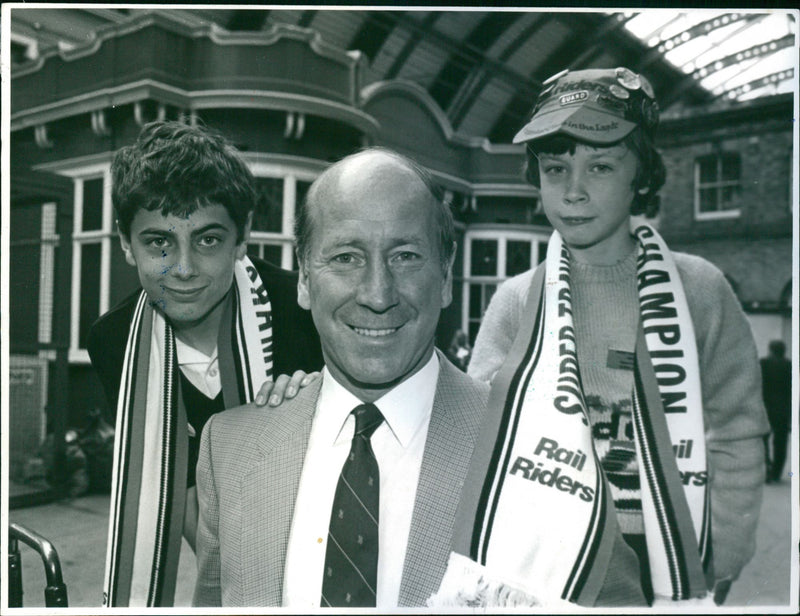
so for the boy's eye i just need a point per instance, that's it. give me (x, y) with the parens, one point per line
(554, 169)
(210, 240)
(602, 168)
(157, 242)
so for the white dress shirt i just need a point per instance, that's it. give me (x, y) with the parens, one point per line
(398, 444)
(201, 370)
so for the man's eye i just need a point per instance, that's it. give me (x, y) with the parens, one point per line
(407, 256)
(343, 259)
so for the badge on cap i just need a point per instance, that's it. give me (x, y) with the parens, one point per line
(628, 78)
(619, 92)
(648, 89)
(555, 77)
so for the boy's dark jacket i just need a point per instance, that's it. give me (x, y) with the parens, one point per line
(295, 340)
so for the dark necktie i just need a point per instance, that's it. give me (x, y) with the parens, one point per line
(351, 558)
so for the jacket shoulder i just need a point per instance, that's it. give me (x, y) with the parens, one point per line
(251, 428)
(462, 393)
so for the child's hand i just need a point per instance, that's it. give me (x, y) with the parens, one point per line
(284, 387)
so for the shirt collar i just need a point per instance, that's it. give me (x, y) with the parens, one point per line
(190, 355)
(404, 408)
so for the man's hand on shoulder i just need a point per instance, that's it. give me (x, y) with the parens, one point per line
(284, 387)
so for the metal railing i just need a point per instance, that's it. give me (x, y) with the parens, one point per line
(55, 593)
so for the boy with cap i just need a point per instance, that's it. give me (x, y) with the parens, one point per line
(210, 329)
(622, 462)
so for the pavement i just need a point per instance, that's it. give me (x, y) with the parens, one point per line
(78, 527)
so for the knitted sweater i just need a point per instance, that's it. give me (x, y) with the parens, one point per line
(605, 314)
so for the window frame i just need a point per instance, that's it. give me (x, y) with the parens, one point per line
(503, 234)
(290, 174)
(718, 184)
(81, 238)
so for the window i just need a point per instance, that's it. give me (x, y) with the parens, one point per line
(100, 276)
(717, 186)
(490, 257)
(281, 190)
(32, 246)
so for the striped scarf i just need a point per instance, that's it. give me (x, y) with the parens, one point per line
(148, 492)
(537, 522)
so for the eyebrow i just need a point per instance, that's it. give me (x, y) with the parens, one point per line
(356, 242)
(214, 226)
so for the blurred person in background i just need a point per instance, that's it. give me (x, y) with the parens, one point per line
(776, 376)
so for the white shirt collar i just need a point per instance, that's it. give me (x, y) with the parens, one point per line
(190, 355)
(404, 408)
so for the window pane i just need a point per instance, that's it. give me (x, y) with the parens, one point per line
(23, 297)
(475, 308)
(730, 167)
(542, 252)
(124, 278)
(92, 205)
(729, 197)
(474, 326)
(268, 215)
(488, 292)
(272, 253)
(518, 257)
(484, 258)
(708, 169)
(301, 190)
(90, 289)
(708, 199)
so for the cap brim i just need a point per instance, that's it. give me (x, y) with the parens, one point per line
(584, 123)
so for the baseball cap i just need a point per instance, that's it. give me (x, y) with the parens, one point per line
(598, 106)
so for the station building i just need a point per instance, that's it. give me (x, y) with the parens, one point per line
(293, 102)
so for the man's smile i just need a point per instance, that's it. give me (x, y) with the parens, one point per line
(372, 332)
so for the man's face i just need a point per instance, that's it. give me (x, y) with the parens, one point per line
(185, 264)
(373, 277)
(587, 198)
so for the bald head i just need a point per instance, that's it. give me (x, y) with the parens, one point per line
(357, 178)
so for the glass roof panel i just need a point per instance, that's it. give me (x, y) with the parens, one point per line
(736, 55)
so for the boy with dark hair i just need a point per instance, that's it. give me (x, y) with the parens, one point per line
(209, 330)
(622, 460)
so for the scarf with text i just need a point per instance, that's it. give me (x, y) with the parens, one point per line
(537, 523)
(148, 491)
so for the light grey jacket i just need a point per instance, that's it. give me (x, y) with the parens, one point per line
(247, 480)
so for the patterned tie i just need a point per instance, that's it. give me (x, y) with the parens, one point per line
(351, 558)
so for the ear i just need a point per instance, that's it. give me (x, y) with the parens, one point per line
(125, 242)
(303, 297)
(241, 247)
(447, 286)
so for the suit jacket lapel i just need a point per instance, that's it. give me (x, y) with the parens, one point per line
(448, 448)
(268, 495)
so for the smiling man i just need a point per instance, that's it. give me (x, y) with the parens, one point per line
(346, 495)
(208, 330)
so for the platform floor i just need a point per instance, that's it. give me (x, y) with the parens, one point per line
(78, 530)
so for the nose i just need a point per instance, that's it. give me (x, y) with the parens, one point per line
(575, 192)
(377, 289)
(184, 265)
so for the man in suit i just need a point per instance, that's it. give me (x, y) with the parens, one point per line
(376, 249)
